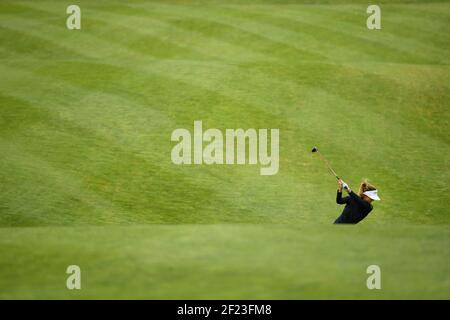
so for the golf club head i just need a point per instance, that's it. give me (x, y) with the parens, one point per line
(314, 149)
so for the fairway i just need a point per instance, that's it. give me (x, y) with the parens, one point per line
(86, 176)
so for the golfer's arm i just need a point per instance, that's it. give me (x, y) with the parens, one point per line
(339, 199)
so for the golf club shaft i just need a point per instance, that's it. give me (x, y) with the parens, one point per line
(328, 165)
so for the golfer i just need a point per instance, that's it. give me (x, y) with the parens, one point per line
(357, 207)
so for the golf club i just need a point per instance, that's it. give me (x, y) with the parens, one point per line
(315, 149)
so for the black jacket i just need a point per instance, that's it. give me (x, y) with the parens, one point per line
(355, 209)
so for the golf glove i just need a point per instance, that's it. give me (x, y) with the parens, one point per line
(344, 185)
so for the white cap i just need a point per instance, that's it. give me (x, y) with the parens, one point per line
(372, 194)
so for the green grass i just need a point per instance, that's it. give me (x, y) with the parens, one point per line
(86, 177)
